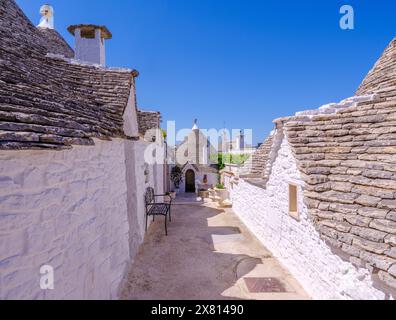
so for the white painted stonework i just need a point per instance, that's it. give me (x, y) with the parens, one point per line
(297, 244)
(80, 211)
(130, 115)
(90, 50)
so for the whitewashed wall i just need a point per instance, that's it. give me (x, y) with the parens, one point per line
(80, 211)
(297, 244)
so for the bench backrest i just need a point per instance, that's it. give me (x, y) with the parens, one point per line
(149, 196)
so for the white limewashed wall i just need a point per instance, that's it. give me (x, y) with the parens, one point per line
(80, 211)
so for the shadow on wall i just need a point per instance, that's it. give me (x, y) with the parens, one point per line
(193, 270)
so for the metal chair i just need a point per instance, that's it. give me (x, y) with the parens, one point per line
(154, 208)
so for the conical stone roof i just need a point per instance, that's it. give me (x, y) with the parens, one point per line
(383, 74)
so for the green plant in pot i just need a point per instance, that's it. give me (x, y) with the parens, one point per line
(176, 177)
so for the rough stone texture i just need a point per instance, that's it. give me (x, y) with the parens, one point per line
(51, 102)
(352, 165)
(383, 74)
(148, 120)
(298, 244)
(259, 161)
(55, 43)
(80, 211)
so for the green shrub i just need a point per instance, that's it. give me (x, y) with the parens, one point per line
(176, 176)
(222, 158)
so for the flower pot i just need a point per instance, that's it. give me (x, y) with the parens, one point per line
(221, 195)
(203, 194)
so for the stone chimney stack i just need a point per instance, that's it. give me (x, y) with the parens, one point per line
(240, 141)
(90, 42)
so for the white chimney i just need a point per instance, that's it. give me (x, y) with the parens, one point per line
(240, 141)
(90, 42)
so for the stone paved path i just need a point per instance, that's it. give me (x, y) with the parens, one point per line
(209, 254)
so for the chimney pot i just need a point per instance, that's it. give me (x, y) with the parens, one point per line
(90, 42)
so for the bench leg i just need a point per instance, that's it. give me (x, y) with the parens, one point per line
(166, 226)
(170, 215)
(146, 221)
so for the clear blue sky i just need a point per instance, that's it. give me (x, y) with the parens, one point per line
(239, 62)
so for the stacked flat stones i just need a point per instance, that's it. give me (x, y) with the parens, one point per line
(55, 43)
(148, 120)
(52, 103)
(348, 161)
(255, 166)
(383, 75)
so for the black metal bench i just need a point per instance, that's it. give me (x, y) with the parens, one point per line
(154, 208)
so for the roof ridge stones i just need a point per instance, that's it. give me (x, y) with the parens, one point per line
(90, 64)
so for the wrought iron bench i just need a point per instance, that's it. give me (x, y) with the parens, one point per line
(154, 208)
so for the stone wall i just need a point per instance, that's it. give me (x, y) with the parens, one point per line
(347, 160)
(80, 211)
(297, 244)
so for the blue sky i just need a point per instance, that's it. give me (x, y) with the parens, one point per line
(238, 62)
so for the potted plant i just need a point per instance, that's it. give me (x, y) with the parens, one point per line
(221, 193)
(203, 193)
(176, 177)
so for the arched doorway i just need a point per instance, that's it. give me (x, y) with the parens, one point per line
(190, 181)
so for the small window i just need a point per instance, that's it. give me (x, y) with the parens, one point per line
(293, 203)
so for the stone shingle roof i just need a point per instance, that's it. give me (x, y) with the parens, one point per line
(48, 102)
(55, 43)
(256, 164)
(89, 30)
(148, 120)
(383, 74)
(348, 162)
